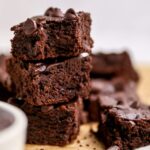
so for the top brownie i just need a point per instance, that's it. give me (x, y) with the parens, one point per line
(54, 34)
(110, 66)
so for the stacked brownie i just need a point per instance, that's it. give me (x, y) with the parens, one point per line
(50, 73)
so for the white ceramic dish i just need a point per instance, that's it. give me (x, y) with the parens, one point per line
(14, 136)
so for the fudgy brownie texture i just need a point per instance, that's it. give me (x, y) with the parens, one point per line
(55, 34)
(112, 65)
(116, 88)
(53, 124)
(124, 127)
(5, 82)
(51, 81)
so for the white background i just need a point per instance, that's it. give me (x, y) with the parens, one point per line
(117, 24)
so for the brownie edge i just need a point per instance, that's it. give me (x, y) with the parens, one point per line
(52, 124)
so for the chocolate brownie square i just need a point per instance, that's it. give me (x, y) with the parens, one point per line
(124, 127)
(51, 81)
(112, 65)
(116, 88)
(55, 34)
(51, 124)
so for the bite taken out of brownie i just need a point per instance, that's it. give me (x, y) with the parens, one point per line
(52, 124)
(51, 81)
(124, 125)
(54, 34)
(113, 65)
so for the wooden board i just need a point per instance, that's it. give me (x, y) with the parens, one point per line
(87, 141)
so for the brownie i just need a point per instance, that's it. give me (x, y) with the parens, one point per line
(124, 127)
(115, 88)
(51, 81)
(112, 65)
(54, 34)
(51, 124)
(5, 83)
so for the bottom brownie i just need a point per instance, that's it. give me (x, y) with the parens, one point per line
(51, 125)
(4, 93)
(124, 125)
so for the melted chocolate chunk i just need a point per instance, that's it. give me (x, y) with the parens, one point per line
(70, 14)
(29, 26)
(53, 12)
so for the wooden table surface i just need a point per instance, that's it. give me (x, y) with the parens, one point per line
(87, 141)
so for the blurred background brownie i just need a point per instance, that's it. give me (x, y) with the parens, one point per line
(52, 124)
(112, 73)
(106, 88)
(54, 34)
(52, 81)
(112, 65)
(122, 126)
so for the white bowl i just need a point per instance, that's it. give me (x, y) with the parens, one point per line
(13, 137)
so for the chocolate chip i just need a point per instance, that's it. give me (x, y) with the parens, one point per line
(54, 12)
(29, 26)
(78, 141)
(70, 14)
(134, 104)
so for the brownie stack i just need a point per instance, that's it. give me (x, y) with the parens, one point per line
(50, 71)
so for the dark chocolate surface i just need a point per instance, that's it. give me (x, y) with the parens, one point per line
(54, 34)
